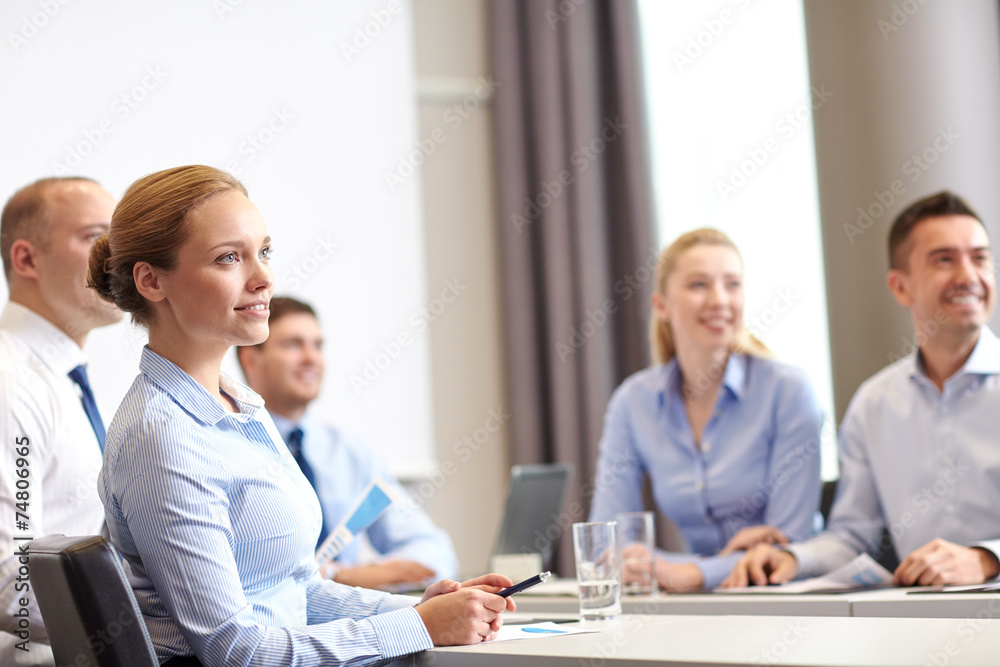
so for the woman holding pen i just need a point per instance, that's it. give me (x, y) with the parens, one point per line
(202, 498)
(728, 436)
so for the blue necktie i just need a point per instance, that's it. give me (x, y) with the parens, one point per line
(79, 376)
(294, 442)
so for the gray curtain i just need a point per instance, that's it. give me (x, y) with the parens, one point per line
(576, 224)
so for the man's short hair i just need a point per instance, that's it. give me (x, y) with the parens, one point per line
(280, 306)
(26, 216)
(936, 205)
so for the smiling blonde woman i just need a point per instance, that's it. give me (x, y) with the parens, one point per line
(728, 436)
(202, 497)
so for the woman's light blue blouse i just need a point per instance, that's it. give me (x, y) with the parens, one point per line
(758, 463)
(217, 526)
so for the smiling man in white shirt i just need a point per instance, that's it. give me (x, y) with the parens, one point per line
(919, 453)
(287, 371)
(52, 432)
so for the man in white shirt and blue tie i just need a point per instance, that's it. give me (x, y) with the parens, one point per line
(46, 404)
(920, 441)
(287, 371)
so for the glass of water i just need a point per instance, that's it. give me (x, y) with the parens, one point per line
(636, 543)
(597, 570)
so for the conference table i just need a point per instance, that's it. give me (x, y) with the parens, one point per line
(883, 627)
(702, 604)
(884, 602)
(804, 641)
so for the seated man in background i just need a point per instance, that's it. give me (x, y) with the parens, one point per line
(919, 453)
(53, 433)
(287, 371)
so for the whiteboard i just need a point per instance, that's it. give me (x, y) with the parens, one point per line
(311, 104)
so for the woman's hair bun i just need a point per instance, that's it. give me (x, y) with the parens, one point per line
(98, 277)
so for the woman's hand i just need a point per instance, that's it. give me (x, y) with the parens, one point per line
(750, 537)
(760, 566)
(489, 583)
(678, 577)
(462, 616)
(637, 562)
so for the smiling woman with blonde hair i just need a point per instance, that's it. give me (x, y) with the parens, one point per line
(728, 436)
(214, 517)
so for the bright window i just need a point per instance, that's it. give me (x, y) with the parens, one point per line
(730, 109)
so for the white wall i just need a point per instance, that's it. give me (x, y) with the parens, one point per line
(311, 105)
(459, 214)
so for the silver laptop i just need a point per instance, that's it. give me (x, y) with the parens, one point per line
(532, 521)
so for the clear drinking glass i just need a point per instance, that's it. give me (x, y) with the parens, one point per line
(636, 544)
(597, 570)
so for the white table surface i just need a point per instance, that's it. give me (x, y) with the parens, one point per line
(889, 602)
(704, 604)
(742, 640)
(896, 602)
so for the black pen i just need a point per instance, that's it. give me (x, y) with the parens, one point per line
(525, 585)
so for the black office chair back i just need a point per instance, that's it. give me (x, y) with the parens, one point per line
(87, 603)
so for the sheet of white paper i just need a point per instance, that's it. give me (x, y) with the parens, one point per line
(861, 572)
(376, 498)
(536, 630)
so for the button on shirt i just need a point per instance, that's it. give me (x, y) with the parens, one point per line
(40, 402)
(924, 463)
(759, 462)
(343, 466)
(218, 527)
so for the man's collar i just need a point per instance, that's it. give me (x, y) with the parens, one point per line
(56, 350)
(984, 360)
(985, 357)
(283, 424)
